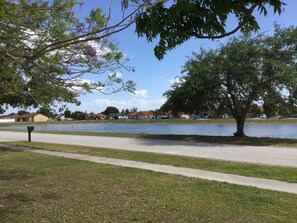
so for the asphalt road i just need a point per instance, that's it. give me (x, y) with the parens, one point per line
(249, 154)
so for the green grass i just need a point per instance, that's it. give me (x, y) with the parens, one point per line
(39, 188)
(244, 169)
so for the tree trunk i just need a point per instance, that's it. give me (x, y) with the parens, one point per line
(240, 121)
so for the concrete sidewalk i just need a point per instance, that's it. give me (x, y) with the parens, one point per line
(188, 172)
(267, 155)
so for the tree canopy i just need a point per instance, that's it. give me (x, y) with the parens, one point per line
(110, 110)
(45, 50)
(246, 70)
(67, 113)
(174, 22)
(47, 111)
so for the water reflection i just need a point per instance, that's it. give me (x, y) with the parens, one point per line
(258, 130)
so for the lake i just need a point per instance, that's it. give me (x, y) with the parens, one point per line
(258, 130)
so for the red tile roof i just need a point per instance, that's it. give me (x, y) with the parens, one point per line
(142, 113)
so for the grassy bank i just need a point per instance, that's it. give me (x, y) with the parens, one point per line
(37, 188)
(244, 169)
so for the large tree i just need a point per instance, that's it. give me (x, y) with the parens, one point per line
(110, 110)
(45, 49)
(176, 21)
(47, 111)
(236, 75)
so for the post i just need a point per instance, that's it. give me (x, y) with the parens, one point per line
(30, 129)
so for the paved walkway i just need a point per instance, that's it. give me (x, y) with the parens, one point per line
(249, 154)
(188, 172)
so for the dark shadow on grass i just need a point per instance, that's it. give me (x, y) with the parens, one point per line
(15, 174)
(8, 148)
(18, 197)
(11, 202)
(217, 141)
(5, 210)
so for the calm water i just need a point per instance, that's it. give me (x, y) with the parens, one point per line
(258, 130)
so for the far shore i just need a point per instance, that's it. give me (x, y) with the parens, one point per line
(161, 121)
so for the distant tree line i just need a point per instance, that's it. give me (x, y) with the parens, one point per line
(77, 115)
(80, 115)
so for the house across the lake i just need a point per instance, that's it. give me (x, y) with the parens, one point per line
(142, 115)
(96, 116)
(117, 116)
(33, 117)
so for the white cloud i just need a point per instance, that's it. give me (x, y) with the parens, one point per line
(77, 82)
(141, 93)
(108, 102)
(119, 75)
(175, 80)
(116, 75)
(99, 105)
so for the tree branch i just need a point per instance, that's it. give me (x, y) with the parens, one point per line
(240, 25)
(84, 37)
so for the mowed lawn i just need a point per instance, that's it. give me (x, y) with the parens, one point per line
(288, 174)
(39, 188)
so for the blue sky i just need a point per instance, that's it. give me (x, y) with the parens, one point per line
(153, 77)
